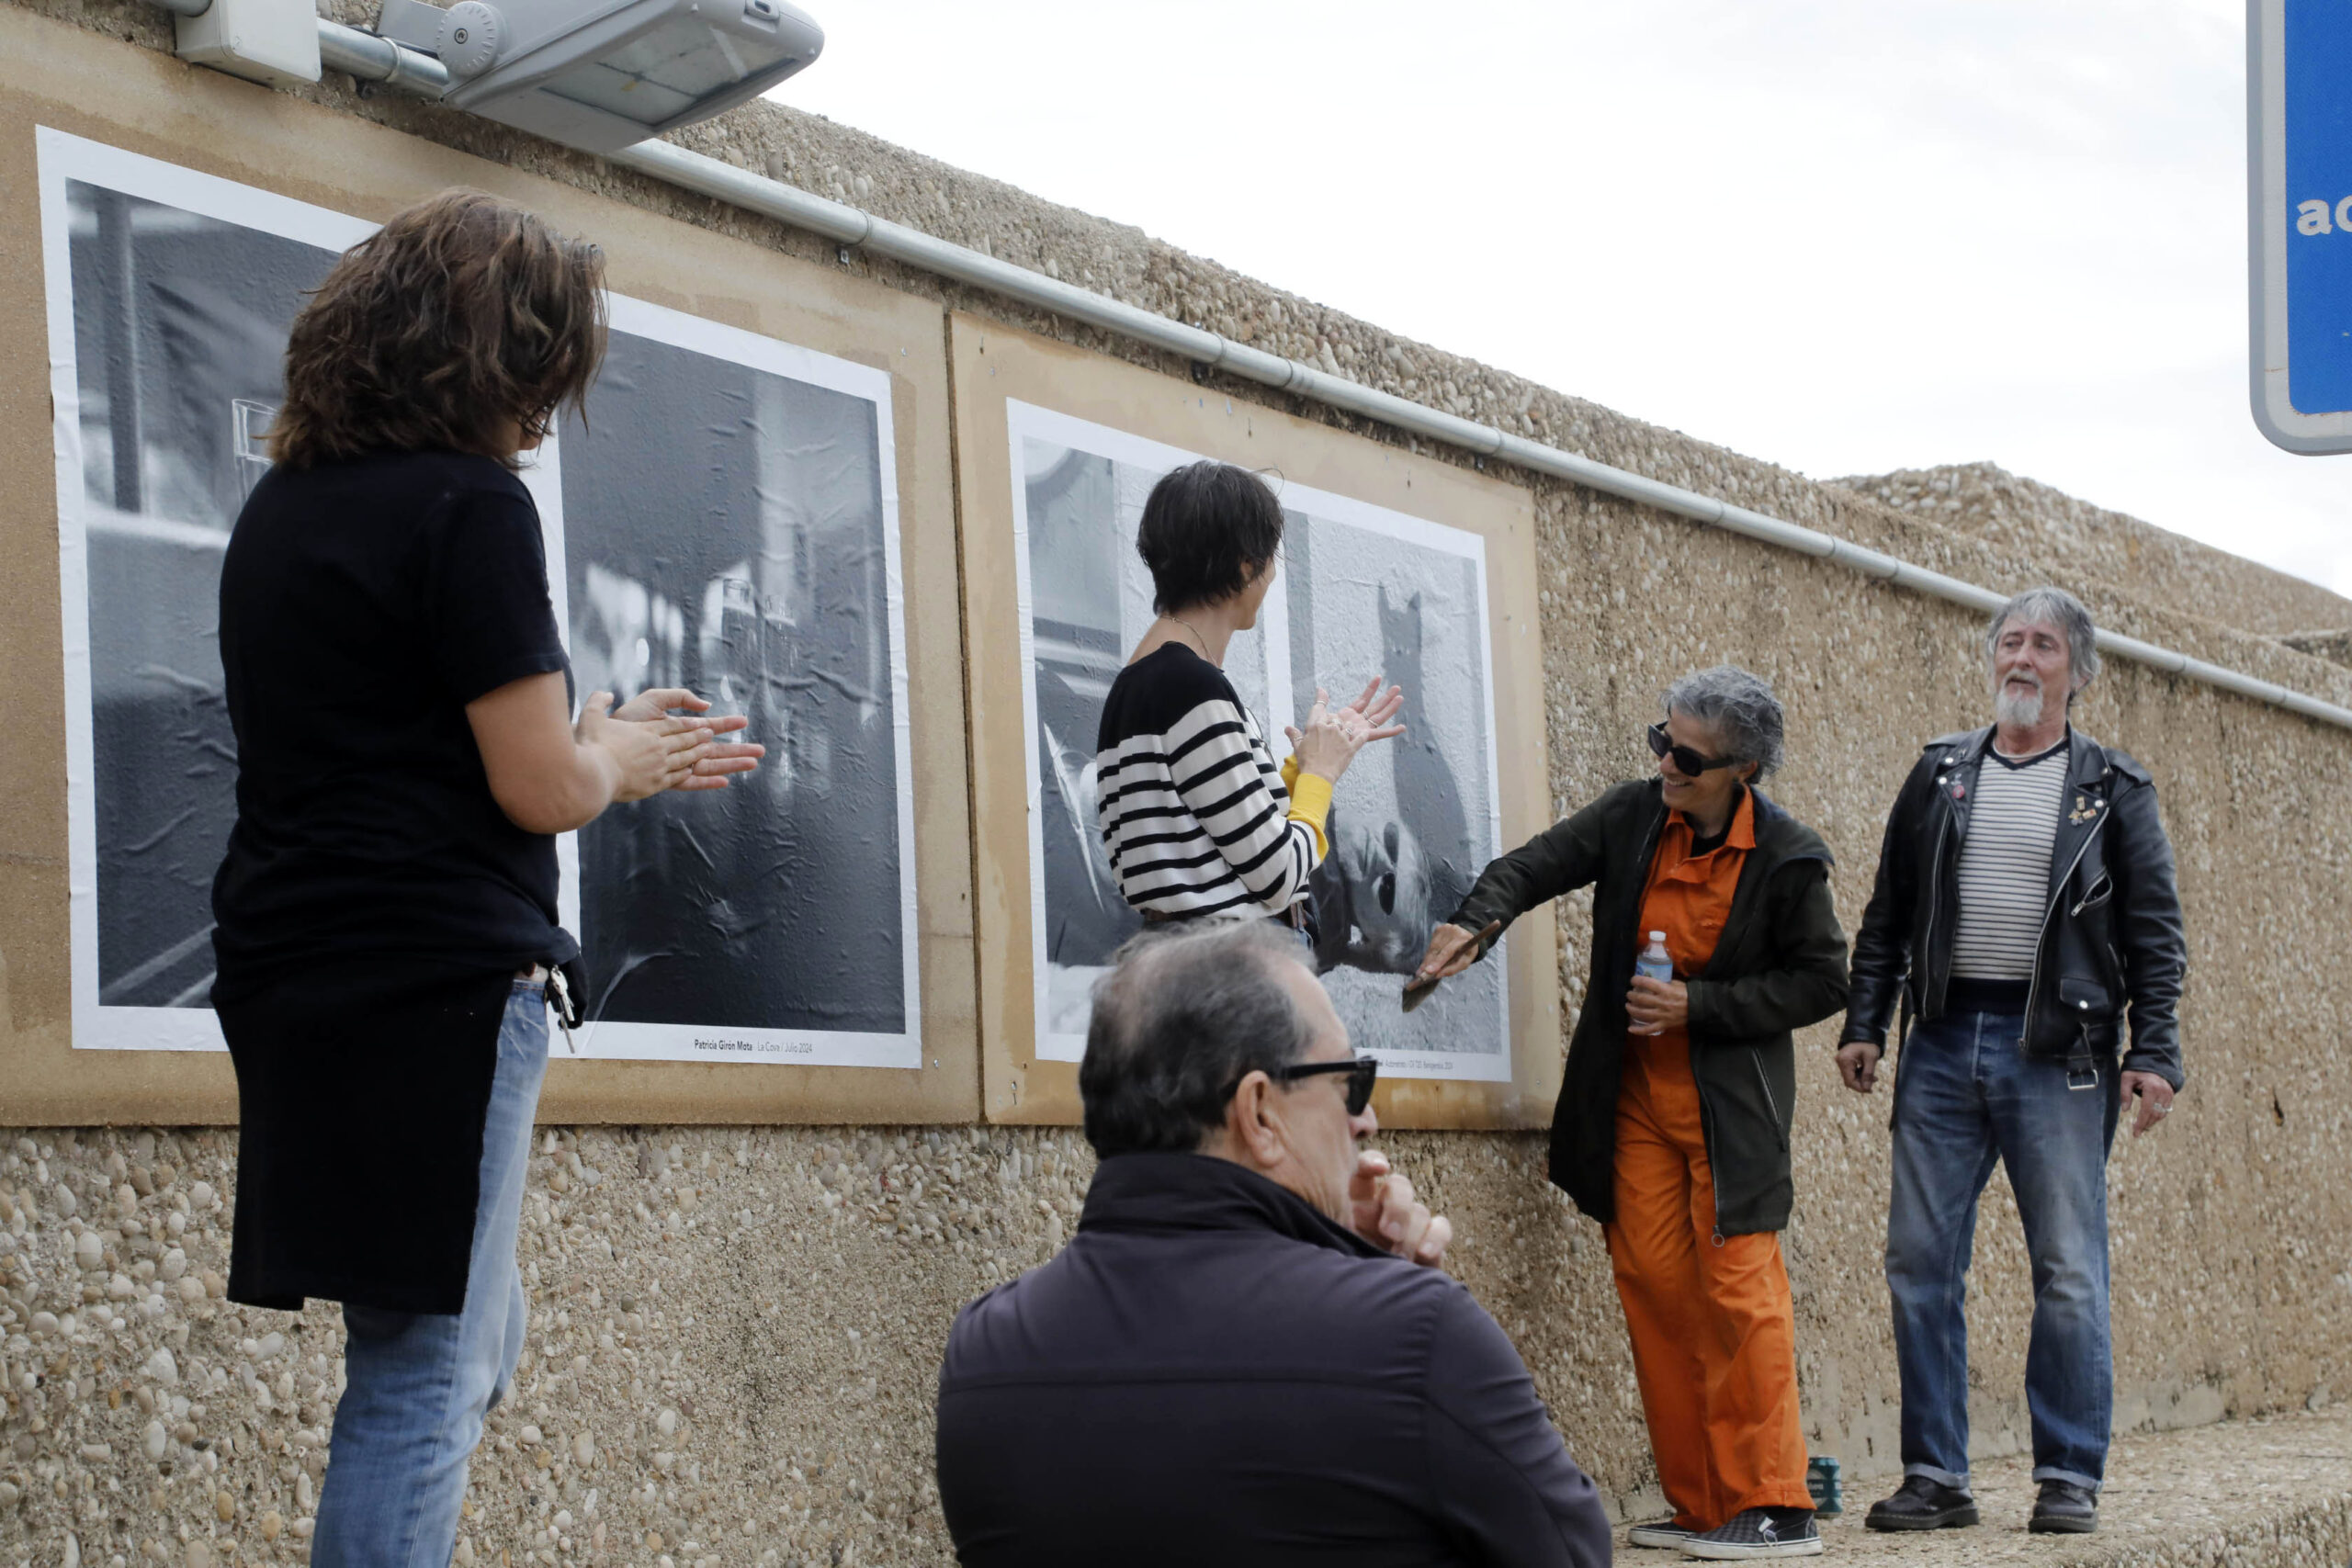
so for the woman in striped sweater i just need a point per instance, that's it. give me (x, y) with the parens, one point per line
(1199, 821)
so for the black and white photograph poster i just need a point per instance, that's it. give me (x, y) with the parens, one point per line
(1360, 590)
(169, 294)
(758, 468)
(731, 524)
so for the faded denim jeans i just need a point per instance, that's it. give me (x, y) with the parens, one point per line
(1965, 1095)
(418, 1384)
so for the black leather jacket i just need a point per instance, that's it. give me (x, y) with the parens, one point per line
(2111, 932)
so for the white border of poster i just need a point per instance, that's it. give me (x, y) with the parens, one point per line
(96, 1025)
(1024, 420)
(63, 157)
(841, 1048)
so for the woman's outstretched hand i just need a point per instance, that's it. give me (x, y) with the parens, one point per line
(721, 757)
(1330, 738)
(1450, 951)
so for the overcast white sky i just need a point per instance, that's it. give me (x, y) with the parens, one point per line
(1845, 235)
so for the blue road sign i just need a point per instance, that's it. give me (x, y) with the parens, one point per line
(2299, 96)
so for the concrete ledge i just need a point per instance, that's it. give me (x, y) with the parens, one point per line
(2270, 1493)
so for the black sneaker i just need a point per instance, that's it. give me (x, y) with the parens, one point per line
(2064, 1508)
(1759, 1532)
(1662, 1532)
(1922, 1504)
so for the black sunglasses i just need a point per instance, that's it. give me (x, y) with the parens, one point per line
(1686, 762)
(1360, 1071)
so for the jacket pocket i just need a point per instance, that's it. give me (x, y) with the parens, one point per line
(2088, 1013)
(2083, 1001)
(2100, 892)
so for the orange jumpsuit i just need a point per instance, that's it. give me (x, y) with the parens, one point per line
(1713, 1328)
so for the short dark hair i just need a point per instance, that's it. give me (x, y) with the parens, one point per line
(460, 313)
(1207, 529)
(1178, 1022)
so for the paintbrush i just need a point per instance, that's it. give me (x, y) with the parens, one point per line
(1417, 991)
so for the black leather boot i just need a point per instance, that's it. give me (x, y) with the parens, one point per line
(1922, 1505)
(2064, 1508)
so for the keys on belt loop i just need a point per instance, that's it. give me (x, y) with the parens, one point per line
(562, 988)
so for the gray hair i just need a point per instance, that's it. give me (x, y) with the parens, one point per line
(2054, 607)
(1183, 1017)
(1739, 707)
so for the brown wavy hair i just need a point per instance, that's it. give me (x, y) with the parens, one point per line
(461, 313)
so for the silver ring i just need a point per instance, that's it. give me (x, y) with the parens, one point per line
(2164, 1110)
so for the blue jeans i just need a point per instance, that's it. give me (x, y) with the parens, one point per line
(419, 1384)
(1966, 1094)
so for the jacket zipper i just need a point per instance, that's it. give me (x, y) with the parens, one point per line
(1756, 1058)
(2034, 987)
(1707, 1115)
(1935, 891)
(1706, 1111)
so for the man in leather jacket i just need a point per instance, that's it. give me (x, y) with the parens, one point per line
(2024, 901)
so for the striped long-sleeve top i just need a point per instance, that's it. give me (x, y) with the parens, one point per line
(2004, 871)
(1197, 817)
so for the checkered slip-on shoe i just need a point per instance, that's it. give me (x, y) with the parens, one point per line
(1759, 1532)
(1664, 1533)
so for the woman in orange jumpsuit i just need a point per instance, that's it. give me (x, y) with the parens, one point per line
(1672, 1128)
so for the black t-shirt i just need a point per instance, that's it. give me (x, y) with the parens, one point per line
(363, 605)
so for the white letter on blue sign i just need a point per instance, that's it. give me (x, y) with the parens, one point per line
(2312, 218)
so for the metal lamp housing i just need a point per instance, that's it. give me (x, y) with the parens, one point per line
(600, 76)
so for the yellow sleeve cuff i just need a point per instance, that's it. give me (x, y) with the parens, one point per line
(1311, 802)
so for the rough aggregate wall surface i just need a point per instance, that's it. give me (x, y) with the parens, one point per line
(2334, 647)
(2230, 1228)
(735, 1339)
(2024, 515)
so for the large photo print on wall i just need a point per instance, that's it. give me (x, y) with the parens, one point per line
(1360, 590)
(725, 519)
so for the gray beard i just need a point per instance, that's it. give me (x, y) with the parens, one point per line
(2016, 711)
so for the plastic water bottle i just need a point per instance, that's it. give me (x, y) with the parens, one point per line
(1658, 965)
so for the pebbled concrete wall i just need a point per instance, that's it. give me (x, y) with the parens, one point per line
(2024, 515)
(735, 1332)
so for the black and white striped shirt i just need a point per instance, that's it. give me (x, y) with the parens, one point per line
(1192, 808)
(2005, 864)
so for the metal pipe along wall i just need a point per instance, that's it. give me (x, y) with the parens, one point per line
(373, 59)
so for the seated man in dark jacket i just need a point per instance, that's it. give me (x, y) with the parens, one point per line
(1240, 1358)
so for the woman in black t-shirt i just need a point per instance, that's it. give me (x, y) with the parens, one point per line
(386, 914)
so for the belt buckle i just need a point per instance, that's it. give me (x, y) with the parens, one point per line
(2079, 1078)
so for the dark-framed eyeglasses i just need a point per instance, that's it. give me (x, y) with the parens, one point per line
(1686, 761)
(1360, 1071)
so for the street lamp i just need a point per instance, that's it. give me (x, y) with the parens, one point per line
(599, 78)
